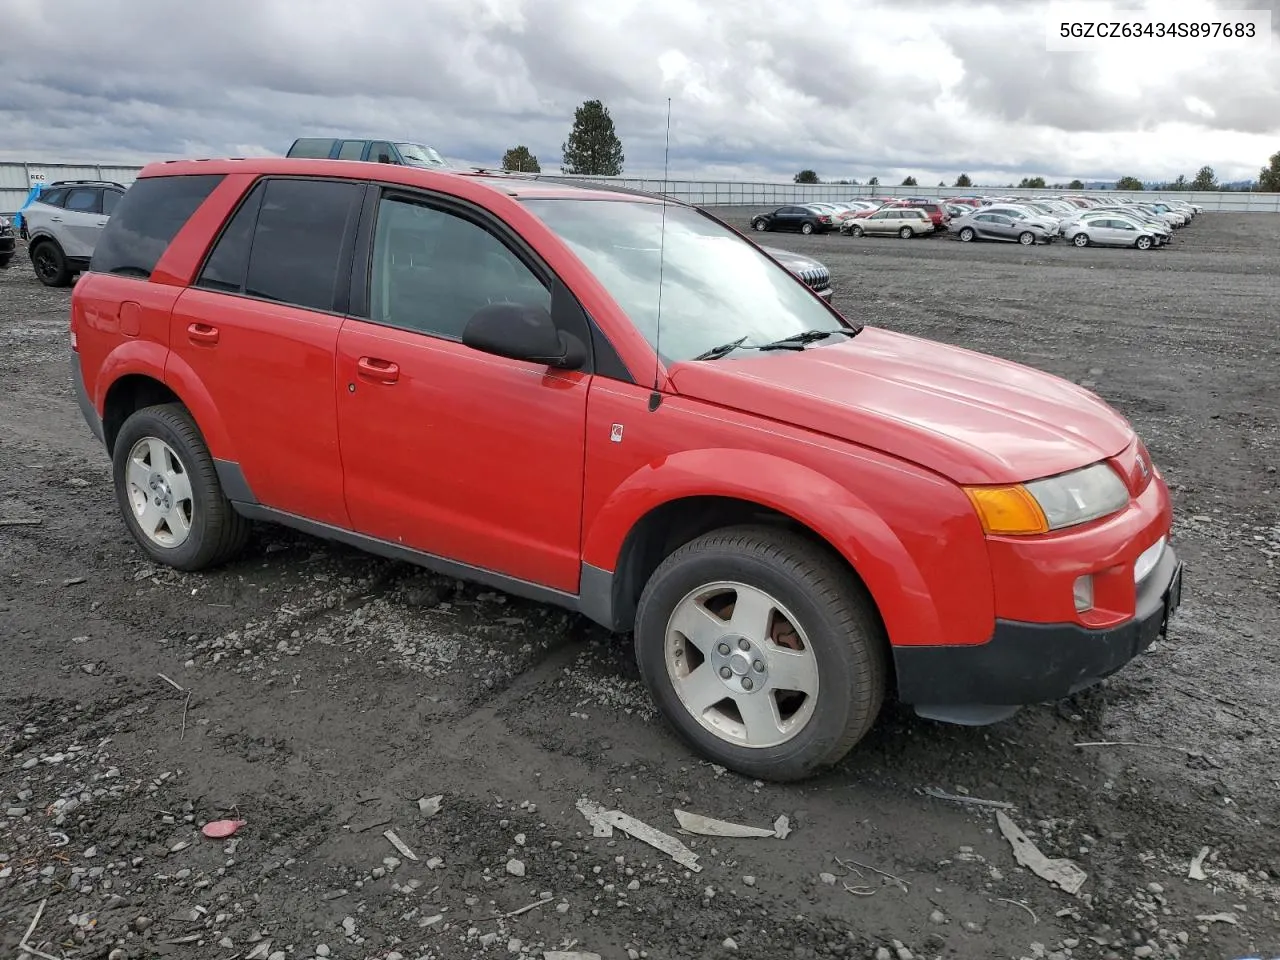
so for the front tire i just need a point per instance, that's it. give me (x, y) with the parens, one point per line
(760, 225)
(168, 491)
(1081, 240)
(967, 235)
(50, 264)
(856, 231)
(1143, 243)
(763, 651)
(1026, 238)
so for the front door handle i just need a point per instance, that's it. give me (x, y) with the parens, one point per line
(55, 219)
(202, 333)
(379, 371)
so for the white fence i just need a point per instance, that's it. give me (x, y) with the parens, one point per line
(16, 180)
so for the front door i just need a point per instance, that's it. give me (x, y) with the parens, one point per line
(445, 449)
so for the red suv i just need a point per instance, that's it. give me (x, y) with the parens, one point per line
(796, 515)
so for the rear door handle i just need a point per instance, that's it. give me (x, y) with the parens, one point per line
(202, 333)
(379, 371)
(102, 223)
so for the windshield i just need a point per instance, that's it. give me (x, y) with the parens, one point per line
(716, 286)
(416, 155)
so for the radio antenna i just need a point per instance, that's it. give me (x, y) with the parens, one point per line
(655, 398)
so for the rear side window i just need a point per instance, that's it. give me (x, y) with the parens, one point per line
(84, 200)
(148, 217)
(303, 229)
(109, 200)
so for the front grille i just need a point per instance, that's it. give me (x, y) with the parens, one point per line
(817, 279)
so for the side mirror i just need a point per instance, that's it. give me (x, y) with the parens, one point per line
(521, 332)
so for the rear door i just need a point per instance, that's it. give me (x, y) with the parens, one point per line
(259, 328)
(82, 221)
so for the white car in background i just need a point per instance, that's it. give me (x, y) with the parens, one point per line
(62, 225)
(1110, 230)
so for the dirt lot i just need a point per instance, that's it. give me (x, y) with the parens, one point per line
(324, 692)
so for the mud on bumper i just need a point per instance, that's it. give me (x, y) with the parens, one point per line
(1025, 663)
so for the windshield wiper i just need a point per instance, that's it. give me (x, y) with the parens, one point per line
(798, 340)
(715, 353)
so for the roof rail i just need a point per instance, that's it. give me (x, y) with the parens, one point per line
(500, 172)
(65, 183)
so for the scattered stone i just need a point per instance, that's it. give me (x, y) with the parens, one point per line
(515, 868)
(322, 950)
(749, 881)
(937, 916)
(730, 944)
(1154, 888)
(828, 878)
(142, 924)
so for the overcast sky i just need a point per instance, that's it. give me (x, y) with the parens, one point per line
(851, 88)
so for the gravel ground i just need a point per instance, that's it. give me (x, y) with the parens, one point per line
(318, 694)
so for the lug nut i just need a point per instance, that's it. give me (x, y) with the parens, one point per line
(723, 648)
(759, 666)
(746, 683)
(744, 644)
(726, 672)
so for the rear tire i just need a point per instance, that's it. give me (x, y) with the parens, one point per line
(50, 264)
(817, 629)
(806, 228)
(906, 233)
(168, 491)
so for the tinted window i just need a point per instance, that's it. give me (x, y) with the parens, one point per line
(148, 217)
(311, 147)
(351, 150)
(84, 200)
(301, 230)
(226, 266)
(109, 200)
(54, 198)
(433, 270)
(382, 149)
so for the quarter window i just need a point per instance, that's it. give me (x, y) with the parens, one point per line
(109, 200)
(433, 270)
(302, 228)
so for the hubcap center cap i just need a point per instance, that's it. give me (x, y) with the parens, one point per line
(740, 664)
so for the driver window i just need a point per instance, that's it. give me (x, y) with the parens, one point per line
(432, 270)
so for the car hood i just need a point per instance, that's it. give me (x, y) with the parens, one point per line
(789, 259)
(970, 417)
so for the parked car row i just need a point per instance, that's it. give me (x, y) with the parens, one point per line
(1096, 220)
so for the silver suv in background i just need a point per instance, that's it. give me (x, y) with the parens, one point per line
(63, 223)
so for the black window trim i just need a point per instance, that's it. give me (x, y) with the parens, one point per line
(602, 359)
(43, 194)
(342, 286)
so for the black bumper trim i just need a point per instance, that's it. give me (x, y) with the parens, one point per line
(1025, 663)
(86, 405)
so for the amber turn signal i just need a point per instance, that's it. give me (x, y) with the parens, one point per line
(1007, 511)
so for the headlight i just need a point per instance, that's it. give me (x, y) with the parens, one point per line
(1049, 504)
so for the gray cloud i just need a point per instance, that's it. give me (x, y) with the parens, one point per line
(929, 87)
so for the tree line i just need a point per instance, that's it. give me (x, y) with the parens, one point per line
(1205, 179)
(594, 149)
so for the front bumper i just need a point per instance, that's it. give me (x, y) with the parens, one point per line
(1025, 663)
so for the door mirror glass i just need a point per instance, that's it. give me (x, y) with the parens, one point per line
(523, 332)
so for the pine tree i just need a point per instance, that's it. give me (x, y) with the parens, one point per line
(593, 147)
(520, 160)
